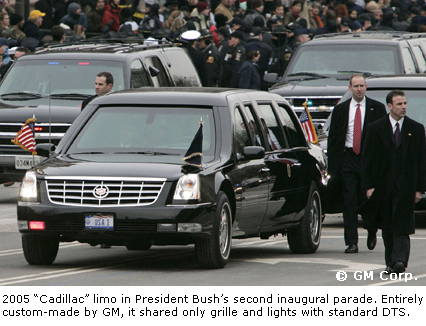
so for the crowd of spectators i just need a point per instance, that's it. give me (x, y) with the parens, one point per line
(283, 24)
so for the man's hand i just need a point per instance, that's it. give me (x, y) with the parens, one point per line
(418, 197)
(370, 192)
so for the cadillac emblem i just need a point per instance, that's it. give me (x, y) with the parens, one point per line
(100, 191)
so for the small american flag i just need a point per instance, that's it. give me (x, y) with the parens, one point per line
(25, 137)
(307, 125)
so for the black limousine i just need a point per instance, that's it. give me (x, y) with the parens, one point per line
(169, 166)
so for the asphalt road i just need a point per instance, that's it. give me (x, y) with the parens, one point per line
(253, 262)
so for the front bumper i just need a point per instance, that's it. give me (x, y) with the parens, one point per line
(155, 224)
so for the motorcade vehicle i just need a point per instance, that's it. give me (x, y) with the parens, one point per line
(123, 175)
(319, 70)
(51, 83)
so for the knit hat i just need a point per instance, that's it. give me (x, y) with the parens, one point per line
(15, 19)
(238, 34)
(3, 41)
(73, 7)
(202, 6)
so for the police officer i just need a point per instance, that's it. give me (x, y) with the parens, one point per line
(212, 61)
(223, 37)
(233, 60)
(282, 52)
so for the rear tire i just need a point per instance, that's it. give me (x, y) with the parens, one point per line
(213, 253)
(305, 238)
(39, 250)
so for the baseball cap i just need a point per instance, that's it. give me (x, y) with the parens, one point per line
(36, 13)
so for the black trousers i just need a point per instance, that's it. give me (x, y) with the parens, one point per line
(397, 247)
(350, 173)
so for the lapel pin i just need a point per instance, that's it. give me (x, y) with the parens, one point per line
(409, 134)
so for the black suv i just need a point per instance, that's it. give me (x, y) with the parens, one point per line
(320, 69)
(51, 84)
(118, 176)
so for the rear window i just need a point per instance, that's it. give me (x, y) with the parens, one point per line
(341, 59)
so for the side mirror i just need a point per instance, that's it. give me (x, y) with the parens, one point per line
(253, 152)
(45, 150)
(153, 71)
(270, 78)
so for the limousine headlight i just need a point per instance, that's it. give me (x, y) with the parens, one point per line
(29, 187)
(188, 187)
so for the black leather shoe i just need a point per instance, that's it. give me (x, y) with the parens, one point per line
(371, 240)
(388, 270)
(398, 267)
(353, 249)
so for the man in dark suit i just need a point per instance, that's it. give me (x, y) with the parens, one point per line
(394, 177)
(103, 85)
(345, 142)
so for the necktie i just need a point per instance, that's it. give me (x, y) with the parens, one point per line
(397, 135)
(357, 131)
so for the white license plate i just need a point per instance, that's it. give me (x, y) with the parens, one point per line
(25, 162)
(99, 222)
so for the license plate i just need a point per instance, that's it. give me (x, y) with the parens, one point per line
(25, 162)
(99, 222)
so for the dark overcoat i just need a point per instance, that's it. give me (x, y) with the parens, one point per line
(378, 150)
(374, 110)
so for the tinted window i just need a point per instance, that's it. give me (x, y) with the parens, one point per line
(253, 126)
(161, 79)
(182, 70)
(292, 131)
(143, 129)
(409, 65)
(271, 127)
(336, 59)
(138, 77)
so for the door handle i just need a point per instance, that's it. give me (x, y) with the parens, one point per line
(265, 170)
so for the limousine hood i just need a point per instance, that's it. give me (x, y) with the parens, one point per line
(79, 168)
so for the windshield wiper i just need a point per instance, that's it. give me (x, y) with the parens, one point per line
(309, 74)
(86, 153)
(148, 153)
(354, 72)
(21, 94)
(70, 95)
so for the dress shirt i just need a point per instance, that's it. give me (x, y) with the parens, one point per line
(352, 110)
(393, 123)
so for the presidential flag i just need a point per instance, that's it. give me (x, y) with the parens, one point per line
(194, 155)
(25, 137)
(307, 125)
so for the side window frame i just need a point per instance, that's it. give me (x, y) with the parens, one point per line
(408, 61)
(237, 109)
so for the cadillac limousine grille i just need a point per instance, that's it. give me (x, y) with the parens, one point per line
(103, 192)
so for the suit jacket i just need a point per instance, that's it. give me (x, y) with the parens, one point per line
(376, 160)
(336, 145)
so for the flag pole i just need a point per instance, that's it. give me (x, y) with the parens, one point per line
(50, 120)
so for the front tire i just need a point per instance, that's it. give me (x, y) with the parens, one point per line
(213, 253)
(305, 238)
(39, 250)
